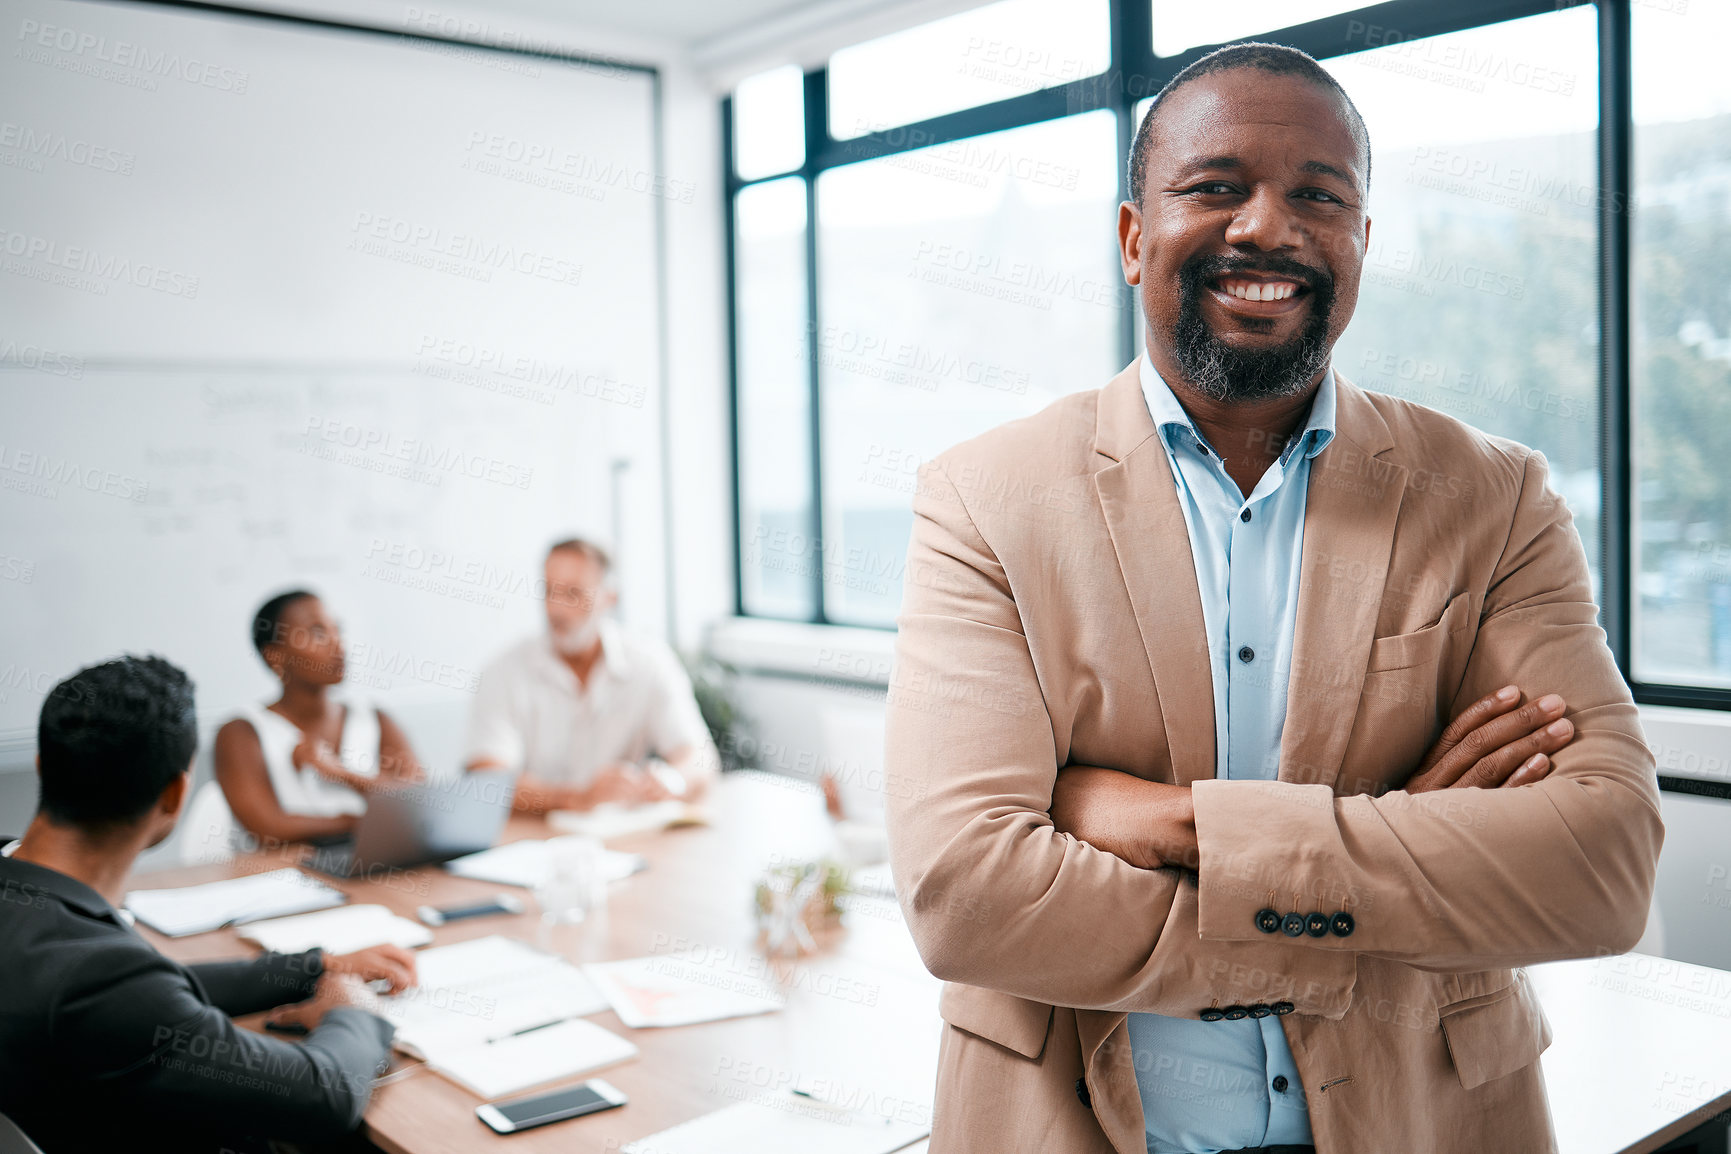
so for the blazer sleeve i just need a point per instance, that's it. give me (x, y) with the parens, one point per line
(261, 983)
(134, 1022)
(1468, 879)
(994, 895)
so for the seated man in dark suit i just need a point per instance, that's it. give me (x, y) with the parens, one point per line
(104, 1043)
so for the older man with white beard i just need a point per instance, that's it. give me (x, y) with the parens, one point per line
(586, 712)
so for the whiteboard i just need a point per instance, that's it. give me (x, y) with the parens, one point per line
(290, 306)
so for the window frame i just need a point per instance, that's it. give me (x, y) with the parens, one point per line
(1134, 73)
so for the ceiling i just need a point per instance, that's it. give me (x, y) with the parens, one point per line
(684, 22)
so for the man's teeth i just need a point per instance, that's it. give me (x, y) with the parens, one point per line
(1251, 290)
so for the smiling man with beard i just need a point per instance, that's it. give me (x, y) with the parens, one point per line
(1249, 730)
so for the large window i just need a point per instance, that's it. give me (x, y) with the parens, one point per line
(1681, 345)
(946, 248)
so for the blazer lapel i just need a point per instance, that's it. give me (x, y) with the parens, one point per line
(1140, 503)
(1349, 521)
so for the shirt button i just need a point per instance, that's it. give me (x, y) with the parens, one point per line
(1279, 1083)
(1244, 516)
(1247, 655)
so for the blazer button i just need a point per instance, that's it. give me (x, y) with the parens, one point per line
(1260, 1010)
(1236, 1013)
(1292, 925)
(1082, 1093)
(1342, 925)
(1281, 1009)
(1316, 925)
(1267, 921)
(1213, 1014)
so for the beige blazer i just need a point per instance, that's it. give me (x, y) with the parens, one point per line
(1051, 617)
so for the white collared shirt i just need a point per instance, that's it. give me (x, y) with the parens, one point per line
(531, 714)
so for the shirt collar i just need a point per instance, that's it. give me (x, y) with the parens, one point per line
(1171, 419)
(68, 890)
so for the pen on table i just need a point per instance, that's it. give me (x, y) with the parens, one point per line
(810, 1097)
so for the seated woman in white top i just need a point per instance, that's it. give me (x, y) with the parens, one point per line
(299, 768)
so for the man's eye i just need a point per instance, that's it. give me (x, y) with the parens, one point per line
(1321, 195)
(1214, 188)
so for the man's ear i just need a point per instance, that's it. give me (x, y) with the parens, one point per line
(173, 797)
(1130, 242)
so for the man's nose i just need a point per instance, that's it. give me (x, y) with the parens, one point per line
(1265, 221)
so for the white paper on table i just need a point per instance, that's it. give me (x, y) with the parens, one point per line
(485, 989)
(520, 1061)
(798, 1127)
(339, 931)
(611, 819)
(527, 863)
(196, 909)
(675, 991)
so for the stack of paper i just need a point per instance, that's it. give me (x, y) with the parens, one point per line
(196, 909)
(796, 1126)
(338, 931)
(520, 1061)
(677, 991)
(611, 819)
(482, 990)
(527, 863)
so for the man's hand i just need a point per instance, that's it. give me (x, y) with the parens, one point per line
(626, 783)
(334, 991)
(1492, 743)
(392, 963)
(1147, 823)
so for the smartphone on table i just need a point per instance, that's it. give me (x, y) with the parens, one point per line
(514, 1114)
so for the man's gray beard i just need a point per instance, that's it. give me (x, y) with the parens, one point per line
(1222, 373)
(577, 640)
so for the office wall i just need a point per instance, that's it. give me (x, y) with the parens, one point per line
(283, 306)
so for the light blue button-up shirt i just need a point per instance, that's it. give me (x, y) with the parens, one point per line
(1210, 1086)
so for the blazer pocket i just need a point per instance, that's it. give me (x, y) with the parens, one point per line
(1494, 1035)
(1013, 1023)
(1406, 650)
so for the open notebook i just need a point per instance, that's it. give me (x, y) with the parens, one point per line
(527, 863)
(339, 931)
(483, 990)
(532, 1058)
(196, 909)
(794, 1126)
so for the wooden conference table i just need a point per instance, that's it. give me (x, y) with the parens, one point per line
(861, 1012)
(1641, 1051)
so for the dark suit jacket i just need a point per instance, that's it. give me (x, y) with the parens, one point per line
(107, 1045)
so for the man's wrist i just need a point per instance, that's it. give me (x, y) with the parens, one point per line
(1171, 833)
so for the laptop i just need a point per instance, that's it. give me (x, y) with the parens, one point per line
(413, 825)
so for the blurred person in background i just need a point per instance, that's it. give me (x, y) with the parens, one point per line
(299, 768)
(588, 712)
